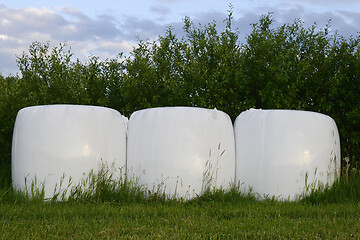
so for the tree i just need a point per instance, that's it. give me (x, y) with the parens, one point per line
(288, 67)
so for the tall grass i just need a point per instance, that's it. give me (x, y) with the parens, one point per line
(344, 189)
(102, 206)
(102, 186)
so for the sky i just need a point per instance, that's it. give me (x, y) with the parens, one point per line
(107, 27)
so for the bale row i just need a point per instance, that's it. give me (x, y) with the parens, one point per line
(179, 151)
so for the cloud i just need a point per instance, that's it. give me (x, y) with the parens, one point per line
(73, 12)
(15, 21)
(326, 1)
(80, 27)
(160, 10)
(86, 35)
(343, 22)
(169, 1)
(106, 35)
(7, 63)
(144, 29)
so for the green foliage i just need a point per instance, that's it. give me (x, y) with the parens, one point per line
(290, 67)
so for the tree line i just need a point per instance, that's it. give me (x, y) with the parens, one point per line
(286, 67)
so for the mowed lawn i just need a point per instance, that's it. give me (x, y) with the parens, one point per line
(196, 220)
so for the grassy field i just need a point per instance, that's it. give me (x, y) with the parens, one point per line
(242, 219)
(117, 211)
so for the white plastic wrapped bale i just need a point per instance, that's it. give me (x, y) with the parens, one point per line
(181, 151)
(53, 141)
(285, 153)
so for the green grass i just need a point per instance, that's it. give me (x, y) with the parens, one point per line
(118, 209)
(240, 219)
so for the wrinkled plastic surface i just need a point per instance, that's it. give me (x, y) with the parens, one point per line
(53, 140)
(285, 153)
(180, 151)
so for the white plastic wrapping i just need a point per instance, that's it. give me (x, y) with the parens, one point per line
(180, 151)
(285, 153)
(53, 140)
